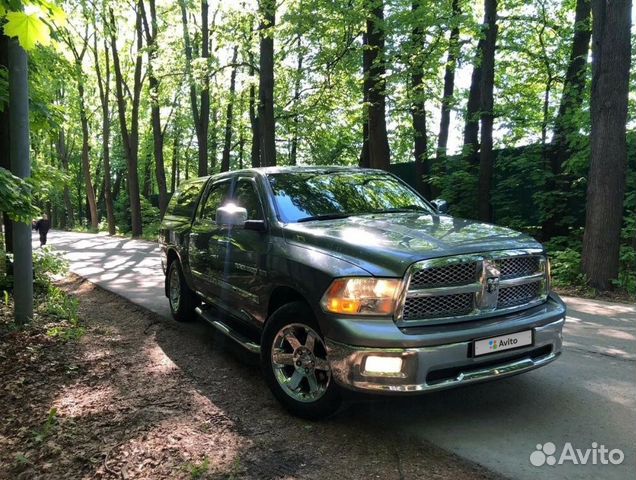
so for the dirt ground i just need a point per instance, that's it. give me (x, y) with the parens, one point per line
(142, 397)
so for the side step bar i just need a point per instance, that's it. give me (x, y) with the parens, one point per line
(239, 338)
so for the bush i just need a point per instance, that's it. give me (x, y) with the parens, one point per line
(150, 216)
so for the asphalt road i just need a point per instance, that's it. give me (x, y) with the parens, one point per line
(586, 398)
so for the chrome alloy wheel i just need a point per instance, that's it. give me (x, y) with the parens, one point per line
(175, 288)
(299, 361)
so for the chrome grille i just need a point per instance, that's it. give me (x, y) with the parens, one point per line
(518, 295)
(472, 286)
(519, 266)
(454, 274)
(442, 306)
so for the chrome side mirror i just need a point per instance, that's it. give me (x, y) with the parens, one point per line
(231, 216)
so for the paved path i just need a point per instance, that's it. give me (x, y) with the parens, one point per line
(588, 395)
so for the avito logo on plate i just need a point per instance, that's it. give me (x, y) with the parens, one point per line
(546, 454)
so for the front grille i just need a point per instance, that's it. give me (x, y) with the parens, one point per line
(518, 295)
(454, 274)
(472, 286)
(440, 306)
(518, 266)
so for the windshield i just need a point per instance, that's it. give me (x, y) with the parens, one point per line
(306, 196)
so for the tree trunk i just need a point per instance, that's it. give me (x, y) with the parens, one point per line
(418, 108)
(565, 125)
(449, 86)
(103, 84)
(365, 158)
(267, 125)
(379, 153)
(20, 167)
(487, 81)
(63, 154)
(204, 114)
(155, 112)
(130, 137)
(86, 164)
(227, 142)
(200, 116)
(175, 161)
(471, 125)
(293, 151)
(608, 164)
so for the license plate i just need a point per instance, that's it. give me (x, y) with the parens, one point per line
(502, 343)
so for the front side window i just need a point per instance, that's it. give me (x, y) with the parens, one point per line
(247, 197)
(305, 196)
(218, 195)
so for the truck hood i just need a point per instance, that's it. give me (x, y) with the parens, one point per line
(386, 244)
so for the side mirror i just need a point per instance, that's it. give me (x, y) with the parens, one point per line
(441, 205)
(231, 216)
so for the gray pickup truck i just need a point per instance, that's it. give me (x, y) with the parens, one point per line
(348, 278)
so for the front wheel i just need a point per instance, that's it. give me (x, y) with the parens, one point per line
(182, 300)
(294, 362)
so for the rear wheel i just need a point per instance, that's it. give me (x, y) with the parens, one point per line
(294, 361)
(182, 300)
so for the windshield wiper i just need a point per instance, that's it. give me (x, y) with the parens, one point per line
(407, 208)
(325, 216)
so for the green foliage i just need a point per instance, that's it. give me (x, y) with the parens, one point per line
(28, 28)
(197, 470)
(151, 216)
(15, 197)
(39, 436)
(46, 264)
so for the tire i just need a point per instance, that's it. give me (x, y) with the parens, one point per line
(300, 378)
(182, 300)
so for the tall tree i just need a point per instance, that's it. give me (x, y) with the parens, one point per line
(21, 167)
(293, 150)
(267, 124)
(64, 153)
(103, 84)
(155, 109)
(365, 158)
(227, 141)
(129, 134)
(611, 57)
(449, 84)
(470, 147)
(566, 125)
(418, 103)
(80, 79)
(379, 152)
(200, 108)
(486, 160)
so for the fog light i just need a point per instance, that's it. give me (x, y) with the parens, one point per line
(383, 365)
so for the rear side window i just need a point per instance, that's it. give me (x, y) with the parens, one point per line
(184, 200)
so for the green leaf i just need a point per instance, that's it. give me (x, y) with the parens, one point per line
(29, 29)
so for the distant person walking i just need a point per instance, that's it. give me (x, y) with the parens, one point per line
(43, 226)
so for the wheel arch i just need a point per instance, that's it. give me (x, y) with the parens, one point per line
(282, 295)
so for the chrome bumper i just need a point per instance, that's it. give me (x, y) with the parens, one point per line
(442, 366)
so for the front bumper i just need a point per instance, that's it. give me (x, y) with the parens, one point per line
(436, 367)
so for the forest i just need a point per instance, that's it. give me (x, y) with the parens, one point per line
(519, 113)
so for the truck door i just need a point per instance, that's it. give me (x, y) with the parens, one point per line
(207, 241)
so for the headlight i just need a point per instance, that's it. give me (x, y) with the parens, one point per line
(361, 296)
